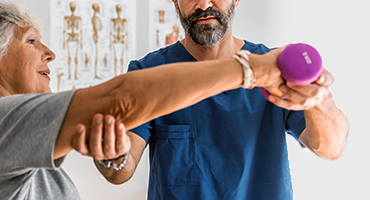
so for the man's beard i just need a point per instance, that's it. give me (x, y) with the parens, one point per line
(207, 34)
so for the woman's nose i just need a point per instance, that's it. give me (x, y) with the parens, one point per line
(48, 55)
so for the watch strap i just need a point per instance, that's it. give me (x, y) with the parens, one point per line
(111, 164)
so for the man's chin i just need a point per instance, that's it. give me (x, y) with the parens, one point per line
(206, 39)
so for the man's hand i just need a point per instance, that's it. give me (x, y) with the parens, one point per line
(107, 140)
(304, 97)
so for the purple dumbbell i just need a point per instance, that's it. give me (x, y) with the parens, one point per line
(299, 64)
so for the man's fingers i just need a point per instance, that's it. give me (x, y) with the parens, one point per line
(285, 103)
(79, 140)
(294, 100)
(326, 78)
(123, 143)
(308, 91)
(95, 141)
(109, 137)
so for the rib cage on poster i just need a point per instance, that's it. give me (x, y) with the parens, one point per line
(164, 24)
(94, 40)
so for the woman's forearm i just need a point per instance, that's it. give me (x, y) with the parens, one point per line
(162, 90)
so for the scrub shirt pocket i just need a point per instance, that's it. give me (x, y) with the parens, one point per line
(174, 157)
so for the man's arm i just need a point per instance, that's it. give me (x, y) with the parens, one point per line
(123, 175)
(326, 126)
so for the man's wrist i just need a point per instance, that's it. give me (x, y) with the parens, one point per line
(114, 165)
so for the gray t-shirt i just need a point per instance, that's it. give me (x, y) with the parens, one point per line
(29, 126)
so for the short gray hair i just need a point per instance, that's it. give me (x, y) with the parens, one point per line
(14, 13)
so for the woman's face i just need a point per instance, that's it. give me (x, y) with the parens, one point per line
(24, 69)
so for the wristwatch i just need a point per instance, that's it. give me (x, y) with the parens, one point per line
(110, 164)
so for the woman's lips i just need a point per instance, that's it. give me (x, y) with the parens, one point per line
(45, 73)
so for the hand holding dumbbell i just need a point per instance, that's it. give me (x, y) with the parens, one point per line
(299, 64)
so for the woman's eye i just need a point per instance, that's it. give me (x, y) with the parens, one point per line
(31, 41)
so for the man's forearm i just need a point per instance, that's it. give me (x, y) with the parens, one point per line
(326, 129)
(120, 176)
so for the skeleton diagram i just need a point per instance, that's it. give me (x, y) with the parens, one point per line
(157, 35)
(72, 23)
(59, 76)
(86, 60)
(97, 26)
(161, 16)
(118, 35)
(173, 37)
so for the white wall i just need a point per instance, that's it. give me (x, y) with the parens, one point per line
(340, 32)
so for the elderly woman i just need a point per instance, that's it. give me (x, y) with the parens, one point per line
(37, 127)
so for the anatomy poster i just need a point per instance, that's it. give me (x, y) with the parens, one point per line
(164, 24)
(94, 40)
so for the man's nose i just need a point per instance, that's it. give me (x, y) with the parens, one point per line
(204, 4)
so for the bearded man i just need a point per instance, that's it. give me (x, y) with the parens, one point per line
(231, 146)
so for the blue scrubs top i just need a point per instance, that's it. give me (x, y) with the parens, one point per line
(231, 146)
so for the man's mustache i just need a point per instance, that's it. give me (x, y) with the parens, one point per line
(199, 13)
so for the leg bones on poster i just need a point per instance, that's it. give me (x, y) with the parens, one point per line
(97, 26)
